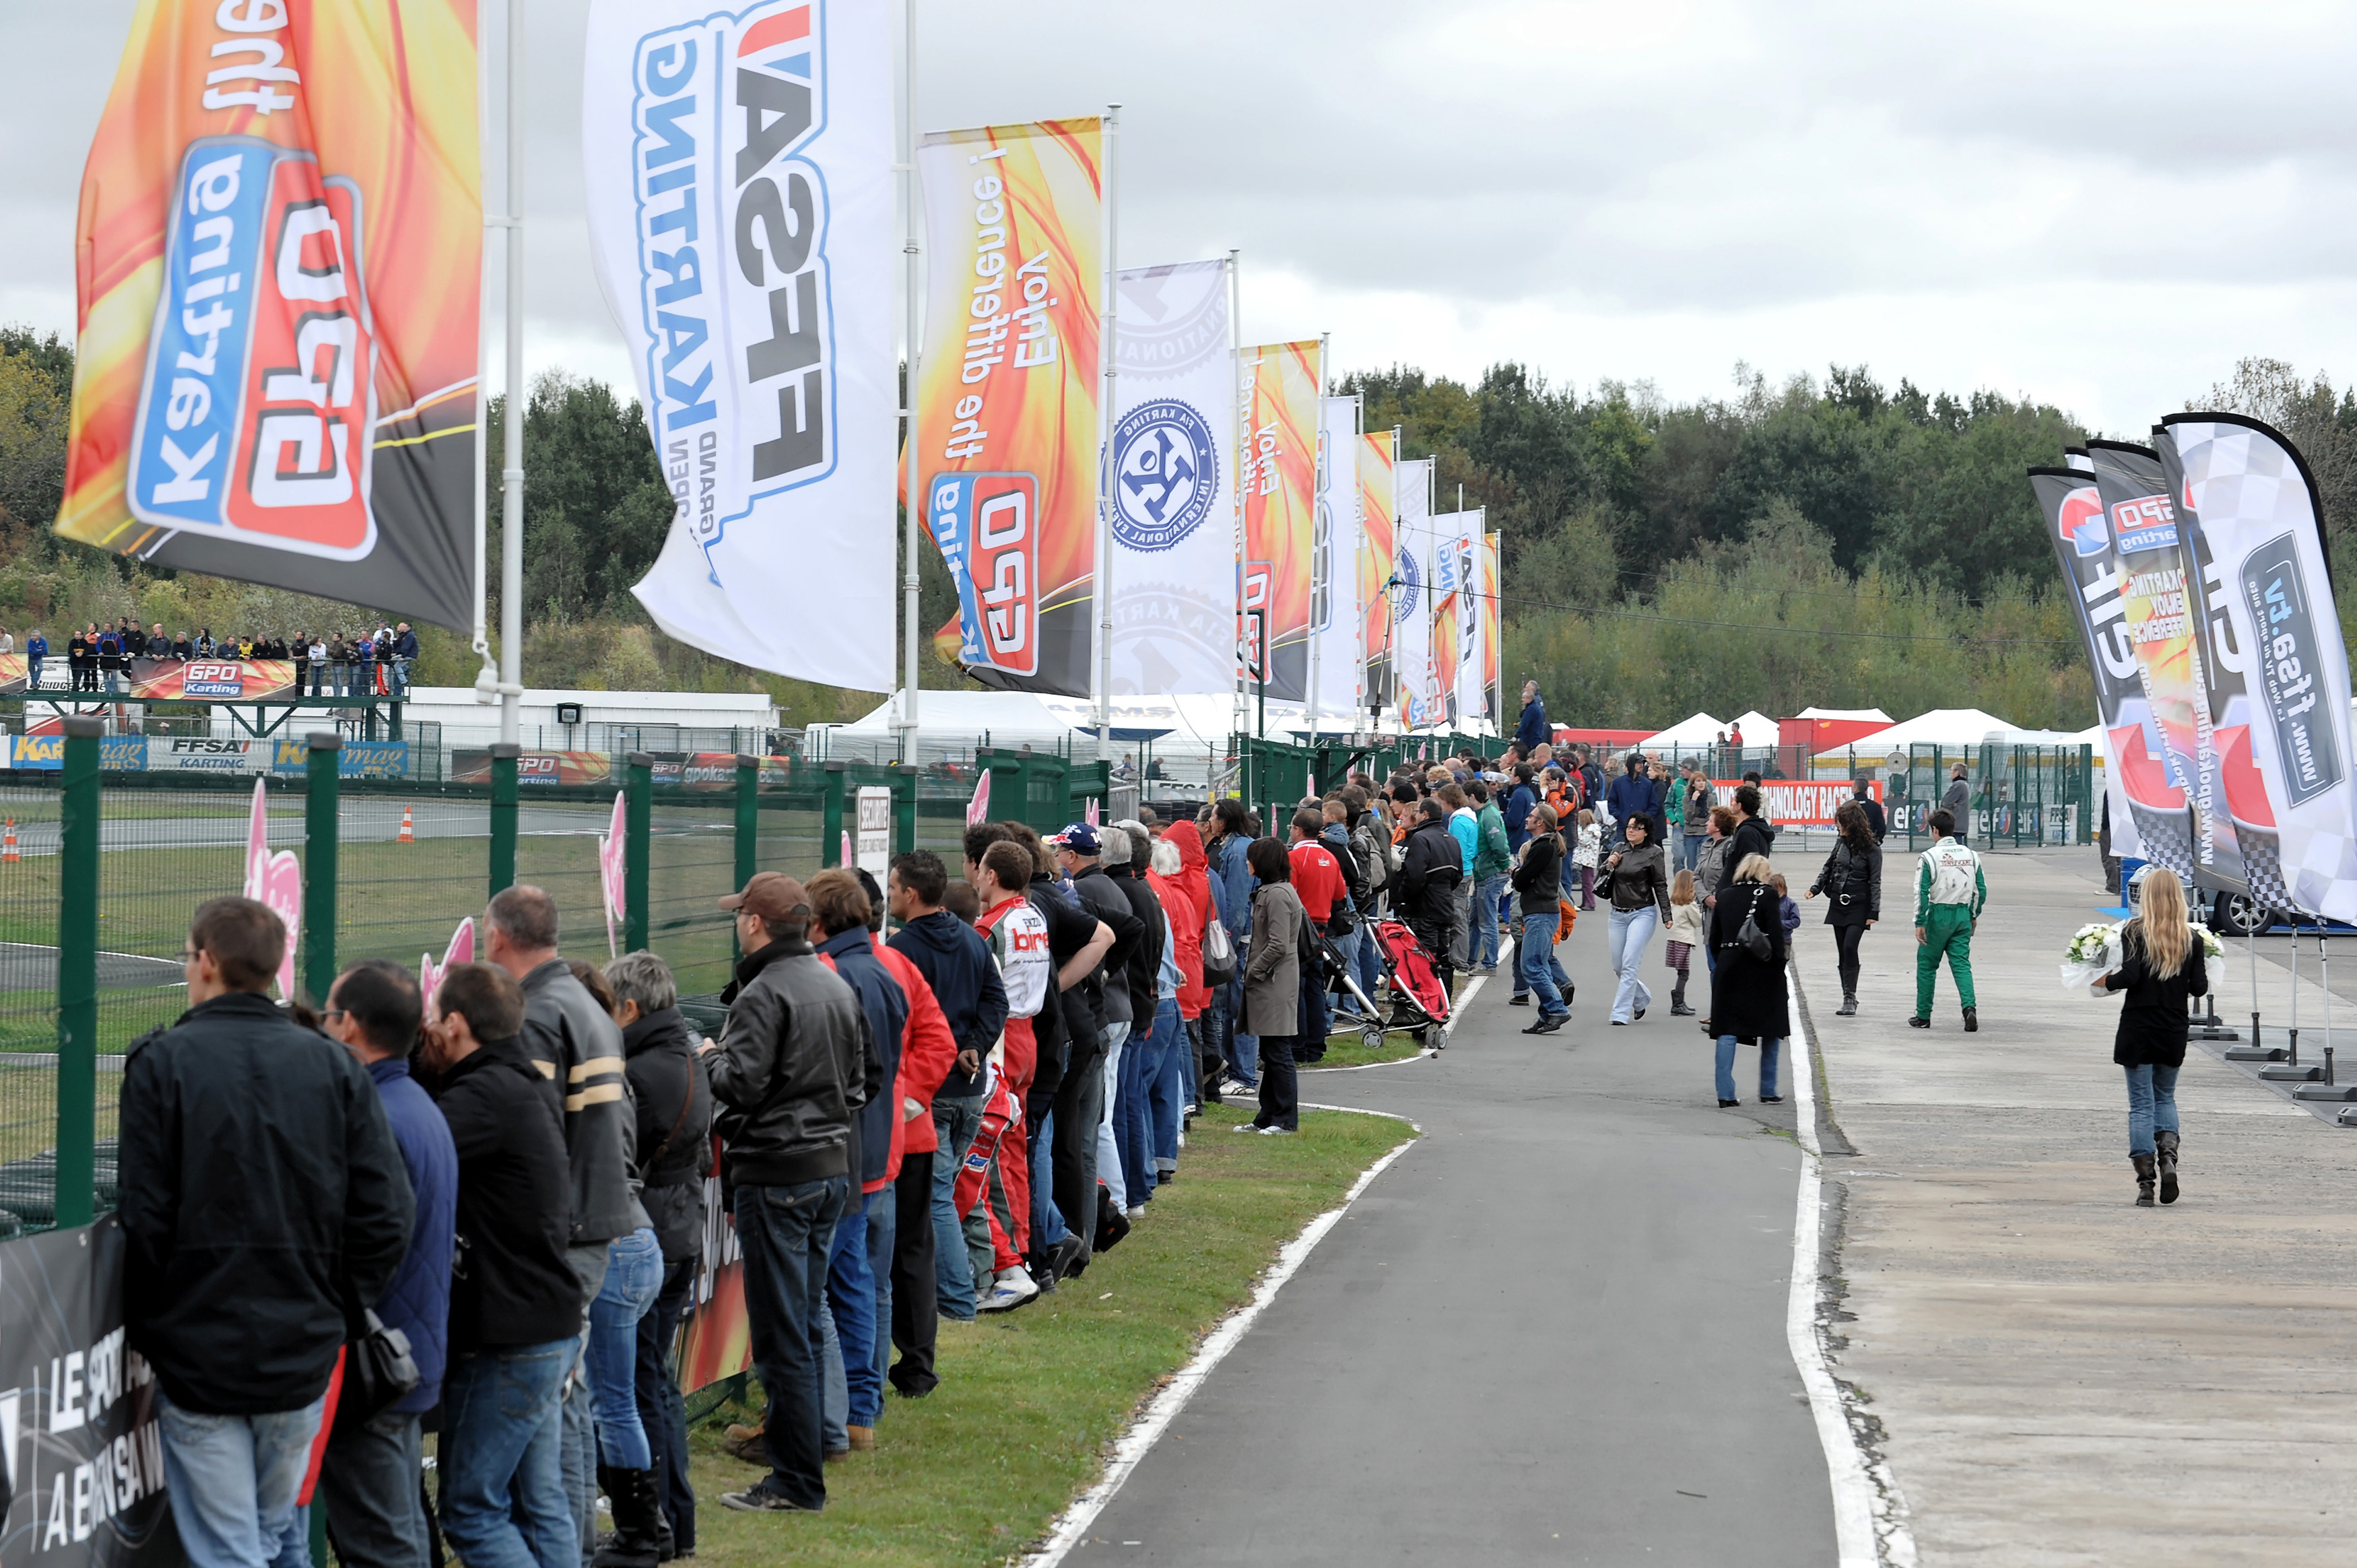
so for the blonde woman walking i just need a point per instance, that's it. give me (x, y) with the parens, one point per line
(2161, 965)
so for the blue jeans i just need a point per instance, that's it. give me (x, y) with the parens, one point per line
(1047, 1220)
(1241, 1050)
(1536, 968)
(851, 1318)
(1133, 1124)
(2152, 1105)
(634, 1274)
(1346, 949)
(1369, 959)
(787, 1233)
(1169, 1091)
(233, 1480)
(956, 1118)
(1483, 943)
(1772, 1049)
(502, 1499)
(1627, 931)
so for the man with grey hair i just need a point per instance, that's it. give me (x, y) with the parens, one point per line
(573, 1042)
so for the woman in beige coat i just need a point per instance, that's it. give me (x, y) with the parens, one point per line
(1272, 985)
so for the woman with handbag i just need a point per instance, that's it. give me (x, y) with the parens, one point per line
(1749, 999)
(2161, 969)
(1538, 878)
(1272, 985)
(1852, 881)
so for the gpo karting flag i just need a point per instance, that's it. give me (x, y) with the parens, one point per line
(2249, 495)
(1174, 499)
(739, 170)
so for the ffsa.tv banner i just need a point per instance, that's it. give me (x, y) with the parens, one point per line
(1008, 393)
(277, 264)
(738, 174)
(83, 1482)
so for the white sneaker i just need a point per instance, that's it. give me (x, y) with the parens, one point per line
(1014, 1288)
(1136, 1213)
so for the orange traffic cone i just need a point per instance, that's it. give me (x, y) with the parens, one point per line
(8, 844)
(408, 828)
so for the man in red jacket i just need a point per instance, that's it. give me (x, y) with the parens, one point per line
(1317, 879)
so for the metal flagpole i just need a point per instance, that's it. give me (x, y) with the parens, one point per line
(487, 674)
(511, 453)
(1324, 478)
(1105, 435)
(911, 634)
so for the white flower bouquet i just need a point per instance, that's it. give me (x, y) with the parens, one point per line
(2093, 952)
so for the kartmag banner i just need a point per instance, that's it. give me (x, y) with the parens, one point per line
(1277, 472)
(1174, 563)
(1007, 394)
(277, 264)
(2162, 758)
(84, 1482)
(1334, 558)
(2250, 496)
(1378, 556)
(2082, 537)
(738, 172)
(1420, 704)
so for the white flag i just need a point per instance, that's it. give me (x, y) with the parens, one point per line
(738, 174)
(1334, 561)
(1420, 697)
(1174, 512)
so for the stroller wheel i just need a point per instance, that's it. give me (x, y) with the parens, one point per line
(1435, 1037)
(1372, 1037)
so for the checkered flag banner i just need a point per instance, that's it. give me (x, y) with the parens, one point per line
(2287, 760)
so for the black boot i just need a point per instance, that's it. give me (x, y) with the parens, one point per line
(2166, 1153)
(634, 1542)
(1971, 1019)
(1849, 1006)
(2143, 1163)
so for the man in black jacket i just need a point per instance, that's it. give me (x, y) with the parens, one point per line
(516, 1301)
(264, 1203)
(579, 1048)
(788, 1069)
(1085, 1093)
(1753, 835)
(1431, 867)
(1874, 820)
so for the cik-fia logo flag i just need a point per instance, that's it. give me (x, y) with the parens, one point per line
(278, 256)
(739, 169)
(1173, 523)
(1008, 393)
(2251, 496)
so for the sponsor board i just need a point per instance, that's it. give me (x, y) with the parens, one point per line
(354, 759)
(536, 769)
(205, 754)
(1798, 802)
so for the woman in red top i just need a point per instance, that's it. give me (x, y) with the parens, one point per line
(1171, 1093)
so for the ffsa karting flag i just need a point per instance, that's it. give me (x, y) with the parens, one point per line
(1378, 554)
(1174, 508)
(1421, 702)
(2156, 611)
(2081, 536)
(1456, 551)
(2248, 495)
(738, 172)
(277, 270)
(1276, 471)
(1481, 662)
(1334, 561)
(1007, 394)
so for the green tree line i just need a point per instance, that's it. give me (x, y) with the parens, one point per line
(1832, 542)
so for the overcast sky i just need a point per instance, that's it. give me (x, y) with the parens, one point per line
(2103, 206)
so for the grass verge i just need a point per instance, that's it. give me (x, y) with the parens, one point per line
(1029, 1401)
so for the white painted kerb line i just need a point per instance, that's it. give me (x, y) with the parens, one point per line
(1165, 1406)
(1854, 1494)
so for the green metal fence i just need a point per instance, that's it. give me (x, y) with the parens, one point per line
(98, 875)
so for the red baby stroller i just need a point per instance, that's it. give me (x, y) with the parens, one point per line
(1419, 1002)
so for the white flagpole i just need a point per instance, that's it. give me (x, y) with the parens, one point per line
(487, 675)
(1236, 427)
(1324, 477)
(1105, 434)
(511, 453)
(911, 634)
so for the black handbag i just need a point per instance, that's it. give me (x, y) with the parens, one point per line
(1755, 940)
(378, 1371)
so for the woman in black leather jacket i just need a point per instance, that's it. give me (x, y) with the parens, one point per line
(1852, 882)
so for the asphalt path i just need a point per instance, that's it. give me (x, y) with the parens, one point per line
(368, 824)
(1552, 1331)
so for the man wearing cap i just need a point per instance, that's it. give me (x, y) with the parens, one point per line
(1081, 1097)
(790, 1070)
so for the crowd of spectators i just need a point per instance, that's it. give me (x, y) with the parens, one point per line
(99, 658)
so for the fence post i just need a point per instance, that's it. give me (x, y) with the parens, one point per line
(321, 787)
(2086, 792)
(638, 844)
(503, 815)
(829, 822)
(74, 1193)
(904, 808)
(749, 831)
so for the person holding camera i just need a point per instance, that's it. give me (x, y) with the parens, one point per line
(1852, 883)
